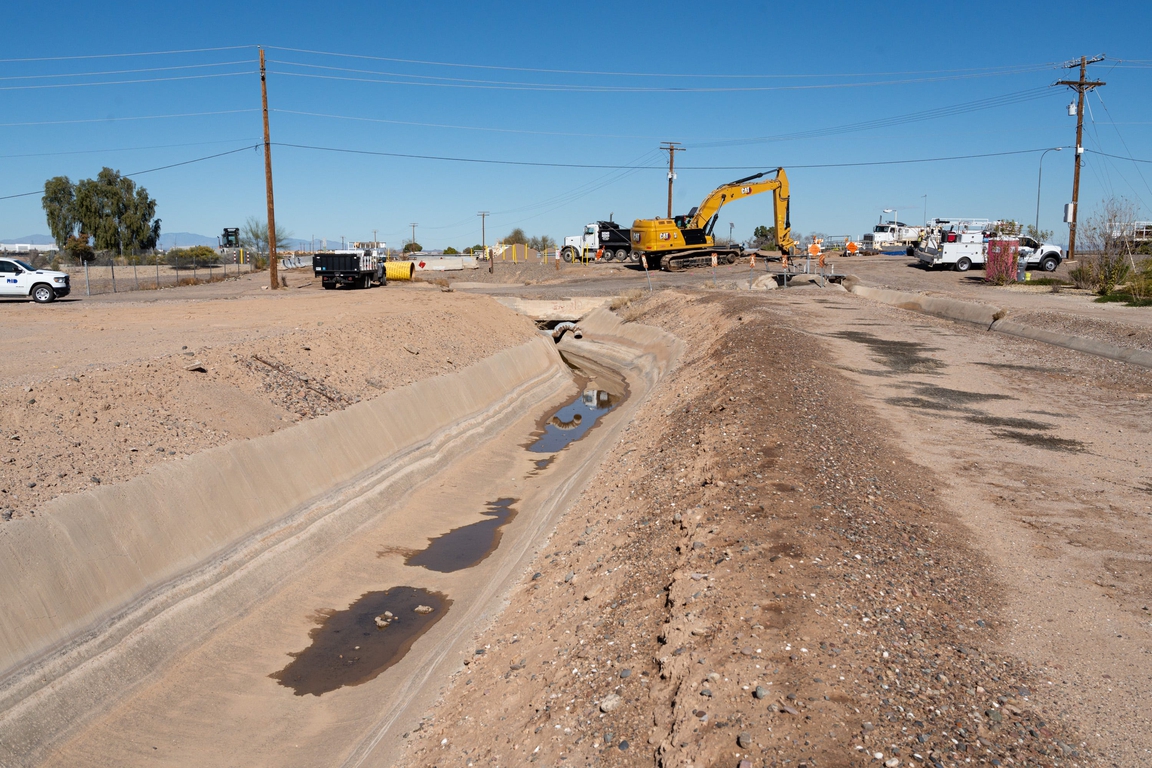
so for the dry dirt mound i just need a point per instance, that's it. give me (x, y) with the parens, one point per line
(135, 383)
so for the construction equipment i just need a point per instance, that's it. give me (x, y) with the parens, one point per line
(686, 241)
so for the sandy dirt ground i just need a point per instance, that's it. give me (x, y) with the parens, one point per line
(101, 389)
(839, 534)
(842, 534)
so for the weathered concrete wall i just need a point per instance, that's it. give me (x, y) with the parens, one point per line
(93, 566)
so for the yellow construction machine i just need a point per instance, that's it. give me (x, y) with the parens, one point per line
(686, 241)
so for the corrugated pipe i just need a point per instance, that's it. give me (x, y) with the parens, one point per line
(399, 270)
(558, 331)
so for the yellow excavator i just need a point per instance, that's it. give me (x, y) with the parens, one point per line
(686, 241)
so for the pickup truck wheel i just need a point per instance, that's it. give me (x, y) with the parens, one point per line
(1049, 263)
(43, 294)
(964, 264)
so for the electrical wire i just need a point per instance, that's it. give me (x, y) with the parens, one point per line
(122, 82)
(126, 71)
(536, 164)
(1007, 99)
(153, 170)
(1014, 69)
(119, 119)
(466, 127)
(496, 85)
(126, 55)
(127, 149)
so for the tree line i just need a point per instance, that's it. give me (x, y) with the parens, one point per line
(108, 213)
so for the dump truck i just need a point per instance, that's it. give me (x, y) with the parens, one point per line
(354, 268)
(607, 237)
(686, 241)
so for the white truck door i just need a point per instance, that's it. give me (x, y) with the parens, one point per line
(10, 282)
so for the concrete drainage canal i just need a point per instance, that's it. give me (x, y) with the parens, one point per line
(323, 633)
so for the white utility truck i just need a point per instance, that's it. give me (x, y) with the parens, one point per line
(957, 243)
(19, 279)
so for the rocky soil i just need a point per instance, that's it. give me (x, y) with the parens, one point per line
(761, 579)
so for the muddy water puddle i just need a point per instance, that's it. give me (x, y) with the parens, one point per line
(601, 390)
(354, 646)
(467, 545)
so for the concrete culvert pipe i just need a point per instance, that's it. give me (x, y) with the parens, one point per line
(400, 270)
(558, 331)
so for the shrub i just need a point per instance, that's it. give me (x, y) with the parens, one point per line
(1000, 268)
(196, 256)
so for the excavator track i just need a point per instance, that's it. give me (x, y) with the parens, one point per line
(675, 262)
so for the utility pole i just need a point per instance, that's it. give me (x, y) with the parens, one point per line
(1080, 86)
(272, 266)
(484, 241)
(413, 225)
(671, 147)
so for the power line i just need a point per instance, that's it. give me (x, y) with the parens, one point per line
(153, 170)
(126, 55)
(124, 149)
(1015, 69)
(537, 164)
(121, 82)
(496, 85)
(119, 119)
(126, 71)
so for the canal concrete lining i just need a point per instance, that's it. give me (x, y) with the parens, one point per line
(104, 586)
(139, 629)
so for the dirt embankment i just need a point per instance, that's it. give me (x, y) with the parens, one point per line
(760, 577)
(99, 392)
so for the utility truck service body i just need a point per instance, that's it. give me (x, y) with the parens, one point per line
(355, 268)
(963, 244)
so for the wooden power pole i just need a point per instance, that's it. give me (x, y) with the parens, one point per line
(484, 241)
(1081, 86)
(272, 265)
(672, 147)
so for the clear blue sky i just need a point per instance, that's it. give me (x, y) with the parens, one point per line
(810, 67)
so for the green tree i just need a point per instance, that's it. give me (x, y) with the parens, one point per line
(411, 246)
(764, 237)
(516, 237)
(59, 204)
(119, 216)
(254, 235)
(79, 248)
(450, 251)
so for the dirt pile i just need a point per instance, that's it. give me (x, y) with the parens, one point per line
(127, 394)
(761, 577)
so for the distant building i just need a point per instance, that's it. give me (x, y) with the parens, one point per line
(27, 248)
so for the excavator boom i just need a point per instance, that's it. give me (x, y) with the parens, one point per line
(675, 241)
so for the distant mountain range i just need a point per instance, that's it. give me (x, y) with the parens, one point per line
(172, 240)
(30, 239)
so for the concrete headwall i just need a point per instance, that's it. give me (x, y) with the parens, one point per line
(102, 562)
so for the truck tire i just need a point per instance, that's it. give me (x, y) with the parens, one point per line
(1049, 263)
(964, 264)
(42, 293)
(730, 258)
(328, 286)
(567, 255)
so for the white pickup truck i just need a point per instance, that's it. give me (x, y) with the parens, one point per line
(19, 279)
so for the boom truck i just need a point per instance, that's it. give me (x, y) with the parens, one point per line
(686, 241)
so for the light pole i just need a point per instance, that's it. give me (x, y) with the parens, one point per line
(730, 226)
(925, 209)
(894, 212)
(1039, 176)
